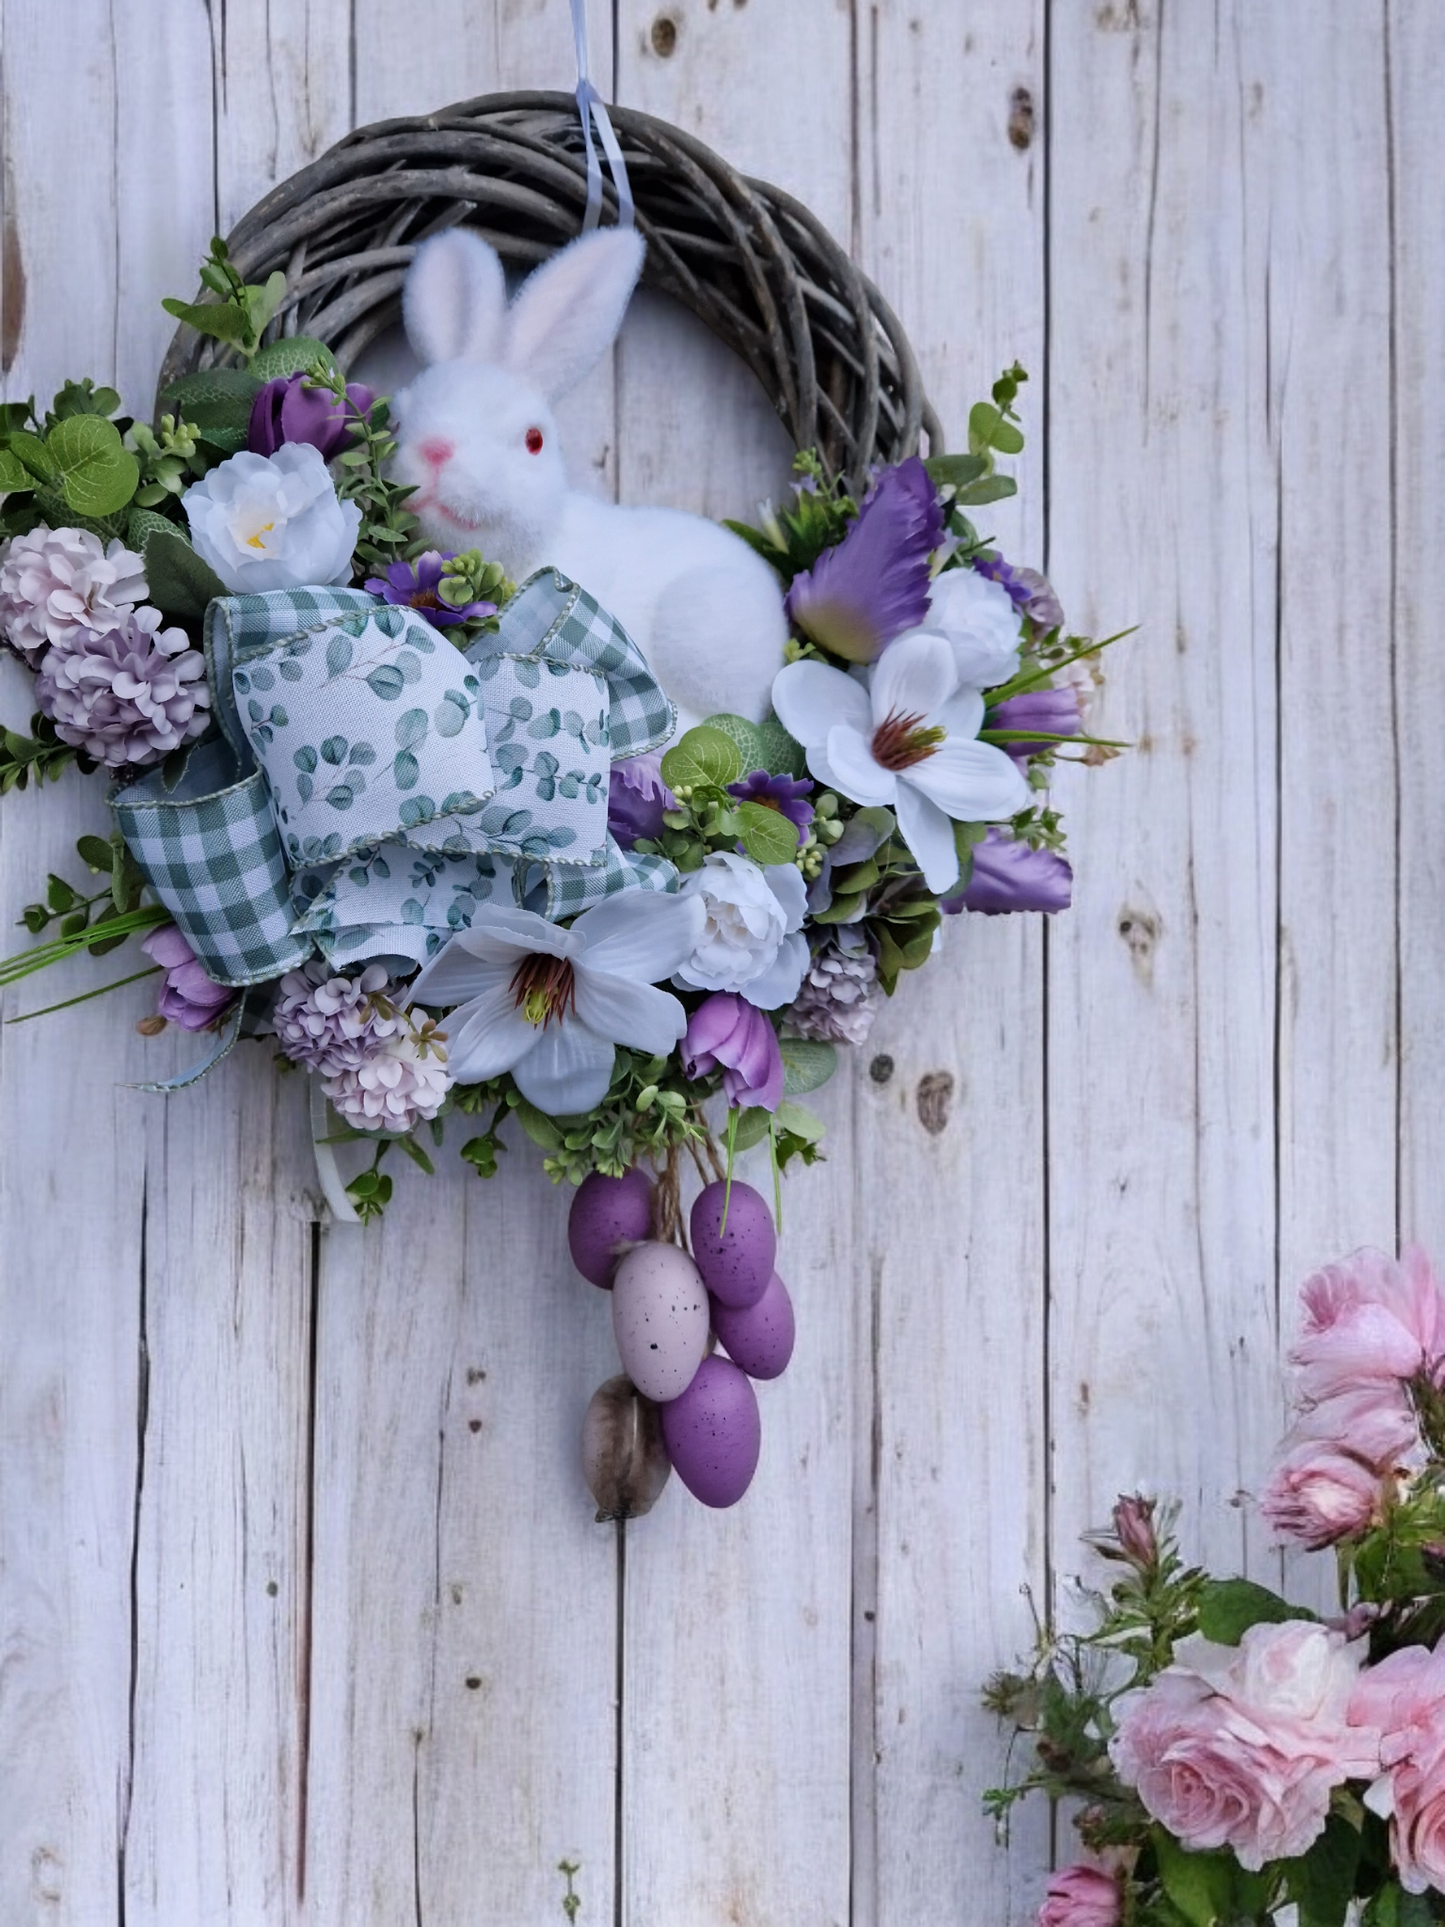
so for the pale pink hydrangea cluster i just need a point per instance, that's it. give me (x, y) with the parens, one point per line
(1373, 1324)
(380, 1071)
(114, 682)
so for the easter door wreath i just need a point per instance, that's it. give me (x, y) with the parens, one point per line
(482, 799)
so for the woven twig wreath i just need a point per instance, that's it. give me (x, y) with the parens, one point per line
(755, 265)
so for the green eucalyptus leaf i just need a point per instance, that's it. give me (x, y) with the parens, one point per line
(956, 471)
(703, 757)
(98, 474)
(744, 734)
(993, 488)
(752, 1127)
(94, 851)
(180, 583)
(768, 836)
(807, 1065)
(538, 1126)
(292, 355)
(801, 1122)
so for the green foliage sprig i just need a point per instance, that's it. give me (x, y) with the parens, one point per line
(698, 769)
(76, 910)
(792, 539)
(41, 755)
(239, 314)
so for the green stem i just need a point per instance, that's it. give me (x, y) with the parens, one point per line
(25, 962)
(86, 995)
(1040, 678)
(728, 1187)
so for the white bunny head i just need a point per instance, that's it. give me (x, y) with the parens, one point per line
(477, 436)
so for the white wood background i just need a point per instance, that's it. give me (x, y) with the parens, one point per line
(303, 1618)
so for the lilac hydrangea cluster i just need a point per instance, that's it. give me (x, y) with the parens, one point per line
(114, 682)
(839, 996)
(380, 1071)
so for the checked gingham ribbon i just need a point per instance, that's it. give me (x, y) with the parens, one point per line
(371, 785)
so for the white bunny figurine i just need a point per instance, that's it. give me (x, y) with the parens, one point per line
(478, 438)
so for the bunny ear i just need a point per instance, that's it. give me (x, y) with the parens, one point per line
(567, 312)
(455, 299)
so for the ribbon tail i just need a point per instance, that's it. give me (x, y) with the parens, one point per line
(327, 1169)
(229, 1032)
(590, 107)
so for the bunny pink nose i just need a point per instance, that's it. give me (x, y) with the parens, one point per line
(436, 451)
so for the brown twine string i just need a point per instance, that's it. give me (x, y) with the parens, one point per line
(667, 1215)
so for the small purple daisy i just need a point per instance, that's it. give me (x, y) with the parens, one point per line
(414, 585)
(788, 795)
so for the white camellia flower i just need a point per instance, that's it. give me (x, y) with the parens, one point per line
(752, 939)
(907, 742)
(272, 521)
(549, 1004)
(981, 623)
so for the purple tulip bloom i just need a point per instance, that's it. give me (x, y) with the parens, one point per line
(1054, 711)
(858, 596)
(188, 997)
(636, 799)
(1032, 594)
(1008, 875)
(726, 1029)
(293, 408)
(788, 795)
(408, 585)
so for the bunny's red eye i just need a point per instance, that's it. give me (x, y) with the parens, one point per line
(534, 441)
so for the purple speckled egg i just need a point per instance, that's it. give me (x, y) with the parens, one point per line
(607, 1212)
(736, 1259)
(759, 1337)
(713, 1433)
(660, 1319)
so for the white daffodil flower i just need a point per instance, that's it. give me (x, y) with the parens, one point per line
(907, 741)
(549, 1004)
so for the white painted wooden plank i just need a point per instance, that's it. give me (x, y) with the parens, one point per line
(72, 1180)
(950, 1144)
(284, 83)
(735, 1761)
(1161, 1037)
(463, 1712)
(1416, 161)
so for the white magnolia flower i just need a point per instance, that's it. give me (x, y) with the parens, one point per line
(981, 622)
(907, 741)
(751, 939)
(549, 1004)
(54, 581)
(272, 521)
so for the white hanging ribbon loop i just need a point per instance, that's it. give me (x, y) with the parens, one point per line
(592, 107)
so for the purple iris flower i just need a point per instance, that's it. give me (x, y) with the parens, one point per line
(636, 799)
(1008, 875)
(788, 795)
(726, 1029)
(410, 585)
(858, 596)
(1054, 711)
(1033, 596)
(293, 408)
(188, 997)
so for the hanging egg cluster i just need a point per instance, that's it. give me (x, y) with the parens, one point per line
(681, 1402)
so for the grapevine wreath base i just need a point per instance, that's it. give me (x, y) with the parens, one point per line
(481, 799)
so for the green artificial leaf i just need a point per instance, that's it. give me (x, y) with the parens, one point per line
(1229, 1607)
(703, 757)
(292, 355)
(141, 524)
(538, 1126)
(212, 394)
(993, 488)
(768, 836)
(1322, 1882)
(807, 1066)
(417, 1155)
(219, 319)
(262, 302)
(753, 1126)
(1393, 1907)
(58, 894)
(14, 474)
(987, 429)
(1209, 1889)
(181, 584)
(744, 734)
(782, 754)
(32, 454)
(801, 1122)
(956, 471)
(94, 851)
(98, 474)
(84, 398)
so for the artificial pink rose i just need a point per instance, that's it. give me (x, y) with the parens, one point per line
(1318, 1495)
(1404, 1697)
(1369, 1319)
(1081, 1897)
(1376, 1424)
(1242, 1746)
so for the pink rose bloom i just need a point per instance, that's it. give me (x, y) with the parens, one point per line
(1376, 1424)
(1242, 1746)
(1081, 1897)
(1404, 1696)
(1367, 1320)
(1318, 1495)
